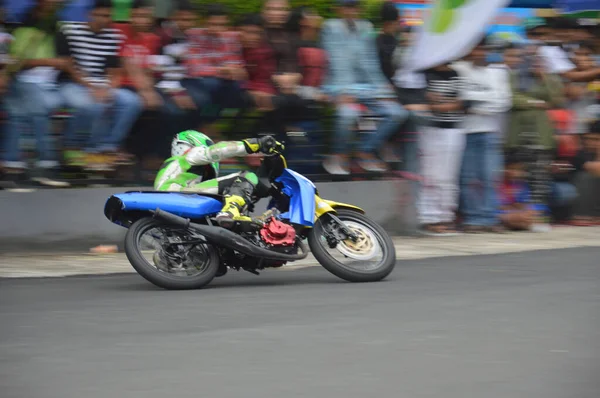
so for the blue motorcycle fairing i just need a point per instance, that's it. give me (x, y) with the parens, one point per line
(181, 204)
(301, 192)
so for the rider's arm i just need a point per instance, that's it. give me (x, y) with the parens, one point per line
(198, 156)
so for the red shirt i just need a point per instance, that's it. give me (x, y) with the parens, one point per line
(207, 53)
(139, 48)
(313, 64)
(261, 65)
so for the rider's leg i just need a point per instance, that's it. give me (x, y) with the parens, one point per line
(237, 195)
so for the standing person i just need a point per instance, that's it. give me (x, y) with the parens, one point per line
(531, 132)
(442, 144)
(93, 83)
(354, 77)
(487, 90)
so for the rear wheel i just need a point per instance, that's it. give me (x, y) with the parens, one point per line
(370, 258)
(157, 251)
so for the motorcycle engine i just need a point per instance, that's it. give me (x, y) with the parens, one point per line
(278, 234)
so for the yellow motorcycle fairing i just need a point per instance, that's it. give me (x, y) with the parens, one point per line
(324, 206)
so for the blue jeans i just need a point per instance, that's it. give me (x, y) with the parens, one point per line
(393, 115)
(563, 194)
(109, 122)
(29, 106)
(479, 179)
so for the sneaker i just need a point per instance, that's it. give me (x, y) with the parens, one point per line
(49, 178)
(336, 166)
(370, 163)
(15, 181)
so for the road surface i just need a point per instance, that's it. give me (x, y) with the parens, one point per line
(523, 325)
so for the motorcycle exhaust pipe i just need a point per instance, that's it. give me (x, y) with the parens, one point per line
(231, 240)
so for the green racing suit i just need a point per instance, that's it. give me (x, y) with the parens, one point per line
(189, 173)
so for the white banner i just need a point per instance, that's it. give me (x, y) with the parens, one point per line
(450, 31)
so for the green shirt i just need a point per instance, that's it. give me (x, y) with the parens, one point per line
(32, 43)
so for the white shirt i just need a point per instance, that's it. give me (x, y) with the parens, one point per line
(488, 90)
(556, 59)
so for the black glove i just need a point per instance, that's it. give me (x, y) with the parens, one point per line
(267, 145)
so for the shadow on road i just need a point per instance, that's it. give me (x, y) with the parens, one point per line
(238, 280)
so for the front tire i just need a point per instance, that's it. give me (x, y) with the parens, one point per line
(371, 230)
(159, 277)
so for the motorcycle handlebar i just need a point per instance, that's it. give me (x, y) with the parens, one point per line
(171, 218)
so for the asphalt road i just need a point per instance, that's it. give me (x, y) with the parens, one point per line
(507, 326)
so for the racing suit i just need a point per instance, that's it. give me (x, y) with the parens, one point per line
(178, 175)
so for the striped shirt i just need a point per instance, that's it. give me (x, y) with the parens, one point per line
(93, 53)
(448, 85)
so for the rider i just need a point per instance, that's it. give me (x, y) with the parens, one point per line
(194, 167)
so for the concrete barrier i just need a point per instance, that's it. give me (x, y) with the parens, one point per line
(73, 219)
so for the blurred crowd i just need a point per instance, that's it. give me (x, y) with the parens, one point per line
(504, 138)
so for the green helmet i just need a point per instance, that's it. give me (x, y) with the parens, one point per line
(188, 139)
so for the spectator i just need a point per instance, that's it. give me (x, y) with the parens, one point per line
(516, 210)
(410, 88)
(354, 77)
(167, 109)
(136, 52)
(587, 177)
(92, 88)
(487, 91)
(581, 98)
(442, 143)
(276, 14)
(173, 32)
(531, 132)
(288, 107)
(215, 65)
(555, 59)
(513, 54)
(305, 26)
(173, 48)
(258, 56)
(387, 41)
(306, 142)
(33, 94)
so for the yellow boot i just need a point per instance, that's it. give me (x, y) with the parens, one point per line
(231, 212)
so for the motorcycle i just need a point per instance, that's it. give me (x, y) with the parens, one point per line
(190, 249)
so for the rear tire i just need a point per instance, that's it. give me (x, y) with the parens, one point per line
(387, 263)
(155, 276)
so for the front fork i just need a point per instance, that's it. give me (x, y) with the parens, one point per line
(335, 229)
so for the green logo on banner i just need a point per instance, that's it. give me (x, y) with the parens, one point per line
(442, 14)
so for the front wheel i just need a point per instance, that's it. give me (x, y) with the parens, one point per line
(372, 257)
(159, 253)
